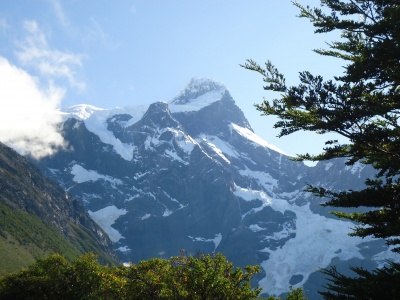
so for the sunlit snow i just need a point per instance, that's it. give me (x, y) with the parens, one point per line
(216, 240)
(146, 216)
(356, 168)
(107, 216)
(83, 175)
(222, 146)
(124, 249)
(248, 134)
(80, 111)
(265, 179)
(96, 122)
(315, 245)
(199, 102)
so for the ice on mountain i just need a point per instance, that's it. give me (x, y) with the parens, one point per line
(140, 175)
(197, 103)
(146, 216)
(124, 249)
(196, 88)
(265, 179)
(83, 175)
(328, 165)
(216, 240)
(175, 156)
(251, 195)
(199, 93)
(185, 142)
(132, 198)
(105, 218)
(167, 213)
(384, 257)
(256, 228)
(219, 146)
(218, 152)
(96, 122)
(314, 232)
(80, 111)
(356, 168)
(251, 136)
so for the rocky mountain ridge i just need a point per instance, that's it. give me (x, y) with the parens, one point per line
(38, 217)
(192, 174)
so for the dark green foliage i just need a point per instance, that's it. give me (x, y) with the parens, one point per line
(295, 294)
(55, 278)
(362, 104)
(181, 277)
(378, 284)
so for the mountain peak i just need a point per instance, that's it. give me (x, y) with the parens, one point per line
(80, 111)
(196, 88)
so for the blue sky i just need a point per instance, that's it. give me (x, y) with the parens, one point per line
(127, 52)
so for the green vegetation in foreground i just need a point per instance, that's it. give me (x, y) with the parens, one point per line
(24, 238)
(180, 277)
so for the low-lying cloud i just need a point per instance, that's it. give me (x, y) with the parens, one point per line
(28, 115)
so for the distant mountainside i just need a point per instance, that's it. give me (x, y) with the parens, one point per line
(192, 174)
(37, 218)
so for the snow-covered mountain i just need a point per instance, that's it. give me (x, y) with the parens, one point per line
(191, 174)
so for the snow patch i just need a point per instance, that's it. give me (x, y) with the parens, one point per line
(105, 218)
(251, 195)
(382, 258)
(124, 249)
(146, 216)
(197, 103)
(80, 111)
(218, 152)
(313, 232)
(82, 175)
(96, 122)
(356, 168)
(328, 166)
(256, 228)
(175, 156)
(221, 145)
(167, 212)
(251, 136)
(216, 240)
(265, 179)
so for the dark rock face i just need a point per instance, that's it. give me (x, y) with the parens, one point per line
(23, 187)
(199, 179)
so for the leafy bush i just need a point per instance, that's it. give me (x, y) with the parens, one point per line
(205, 276)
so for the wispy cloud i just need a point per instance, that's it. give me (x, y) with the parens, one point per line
(28, 117)
(59, 13)
(4, 26)
(35, 52)
(132, 9)
(96, 35)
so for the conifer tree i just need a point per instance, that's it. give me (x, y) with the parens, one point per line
(361, 104)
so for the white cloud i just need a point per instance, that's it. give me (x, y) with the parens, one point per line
(4, 27)
(132, 9)
(59, 12)
(95, 35)
(53, 64)
(28, 118)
